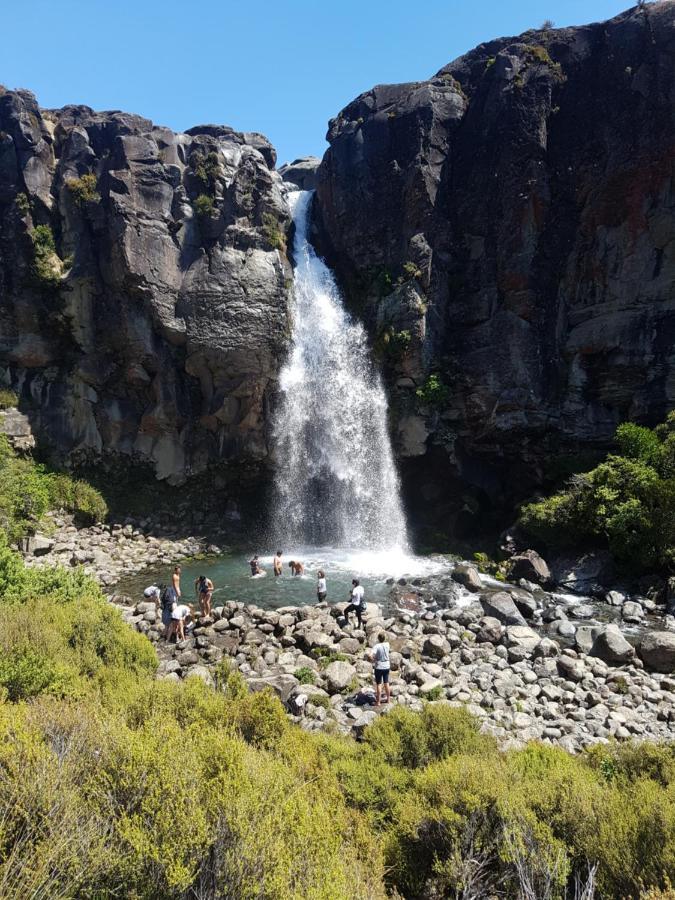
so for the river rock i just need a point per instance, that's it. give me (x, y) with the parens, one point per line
(531, 566)
(611, 646)
(501, 606)
(339, 676)
(468, 576)
(522, 636)
(657, 651)
(632, 612)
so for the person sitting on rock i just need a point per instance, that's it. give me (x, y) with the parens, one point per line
(204, 590)
(179, 617)
(296, 567)
(357, 602)
(380, 658)
(277, 565)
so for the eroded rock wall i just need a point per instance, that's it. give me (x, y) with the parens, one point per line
(509, 227)
(154, 329)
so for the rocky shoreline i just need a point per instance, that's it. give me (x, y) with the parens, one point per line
(529, 662)
(111, 552)
(523, 685)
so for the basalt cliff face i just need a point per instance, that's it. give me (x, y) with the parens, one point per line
(508, 228)
(144, 286)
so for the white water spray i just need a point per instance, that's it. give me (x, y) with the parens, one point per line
(336, 480)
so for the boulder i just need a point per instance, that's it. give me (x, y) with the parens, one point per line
(611, 646)
(500, 606)
(339, 676)
(200, 672)
(301, 172)
(435, 647)
(468, 576)
(522, 636)
(632, 612)
(530, 565)
(282, 685)
(657, 651)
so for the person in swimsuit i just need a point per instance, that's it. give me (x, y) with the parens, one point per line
(321, 586)
(204, 590)
(277, 565)
(296, 567)
(255, 567)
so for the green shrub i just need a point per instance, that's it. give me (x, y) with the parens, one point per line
(83, 190)
(206, 168)
(433, 393)
(392, 345)
(77, 497)
(204, 206)
(411, 271)
(22, 203)
(305, 675)
(274, 236)
(625, 503)
(47, 267)
(8, 398)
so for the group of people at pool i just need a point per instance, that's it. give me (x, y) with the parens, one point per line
(177, 615)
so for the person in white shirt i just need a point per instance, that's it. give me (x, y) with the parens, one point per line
(179, 616)
(321, 586)
(357, 604)
(380, 658)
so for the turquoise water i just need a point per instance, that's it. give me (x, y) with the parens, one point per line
(231, 576)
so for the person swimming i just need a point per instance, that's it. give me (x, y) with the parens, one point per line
(296, 567)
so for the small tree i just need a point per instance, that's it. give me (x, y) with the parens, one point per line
(547, 25)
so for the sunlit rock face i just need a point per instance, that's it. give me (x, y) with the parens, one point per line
(509, 226)
(152, 330)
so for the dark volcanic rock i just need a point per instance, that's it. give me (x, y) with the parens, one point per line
(508, 226)
(151, 330)
(301, 172)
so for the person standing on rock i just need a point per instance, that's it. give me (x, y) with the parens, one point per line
(357, 602)
(321, 586)
(382, 666)
(278, 570)
(171, 597)
(204, 590)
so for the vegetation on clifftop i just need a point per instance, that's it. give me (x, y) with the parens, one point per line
(626, 503)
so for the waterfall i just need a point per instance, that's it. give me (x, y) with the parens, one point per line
(336, 481)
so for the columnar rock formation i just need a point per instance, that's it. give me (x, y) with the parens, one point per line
(508, 227)
(148, 315)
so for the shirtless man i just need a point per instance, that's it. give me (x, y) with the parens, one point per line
(296, 567)
(277, 564)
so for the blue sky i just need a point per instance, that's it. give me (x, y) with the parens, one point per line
(282, 69)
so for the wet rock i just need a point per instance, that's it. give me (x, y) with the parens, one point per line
(468, 576)
(531, 566)
(632, 612)
(501, 606)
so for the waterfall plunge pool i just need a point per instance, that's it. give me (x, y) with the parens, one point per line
(231, 576)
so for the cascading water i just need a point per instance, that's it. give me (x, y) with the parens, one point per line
(336, 480)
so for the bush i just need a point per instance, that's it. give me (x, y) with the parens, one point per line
(624, 503)
(305, 675)
(8, 398)
(433, 393)
(206, 168)
(274, 236)
(77, 497)
(83, 190)
(204, 206)
(47, 267)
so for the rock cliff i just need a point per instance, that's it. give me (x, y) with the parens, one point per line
(507, 231)
(144, 285)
